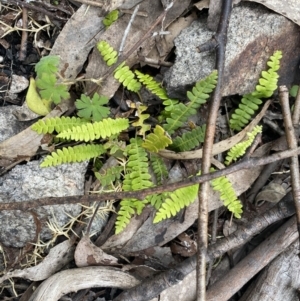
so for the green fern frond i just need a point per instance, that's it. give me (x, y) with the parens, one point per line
(110, 18)
(109, 175)
(126, 77)
(137, 177)
(69, 154)
(189, 140)
(228, 195)
(93, 131)
(58, 124)
(109, 55)
(137, 166)
(239, 149)
(94, 108)
(199, 95)
(128, 208)
(152, 85)
(176, 201)
(157, 140)
(250, 102)
(159, 168)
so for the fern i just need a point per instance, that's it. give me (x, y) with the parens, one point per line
(57, 124)
(110, 18)
(128, 208)
(126, 77)
(141, 121)
(92, 109)
(159, 168)
(228, 195)
(110, 175)
(250, 102)
(156, 200)
(189, 140)
(199, 95)
(69, 154)
(109, 55)
(157, 140)
(239, 149)
(92, 131)
(122, 73)
(137, 177)
(176, 201)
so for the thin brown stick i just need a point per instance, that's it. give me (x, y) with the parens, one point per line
(141, 194)
(292, 144)
(221, 38)
(23, 48)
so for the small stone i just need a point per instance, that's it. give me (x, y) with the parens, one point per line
(18, 84)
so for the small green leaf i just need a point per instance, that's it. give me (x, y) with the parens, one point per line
(110, 18)
(50, 90)
(92, 109)
(294, 91)
(47, 64)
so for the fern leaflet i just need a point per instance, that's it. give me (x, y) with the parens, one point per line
(227, 195)
(69, 154)
(92, 108)
(250, 102)
(199, 95)
(109, 55)
(93, 131)
(176, 201)
(189, 140)
(157, 140)
(57, 124)
(110, 18)
(239, 149)
(126, 77)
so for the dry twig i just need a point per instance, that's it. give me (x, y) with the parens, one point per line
(292, 144)
(219, 42)
(141, 194)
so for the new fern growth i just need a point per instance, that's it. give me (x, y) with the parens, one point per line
(250, 102)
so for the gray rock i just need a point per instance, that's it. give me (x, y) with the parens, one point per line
(254, 34)
(29, 182)
(9, 124)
